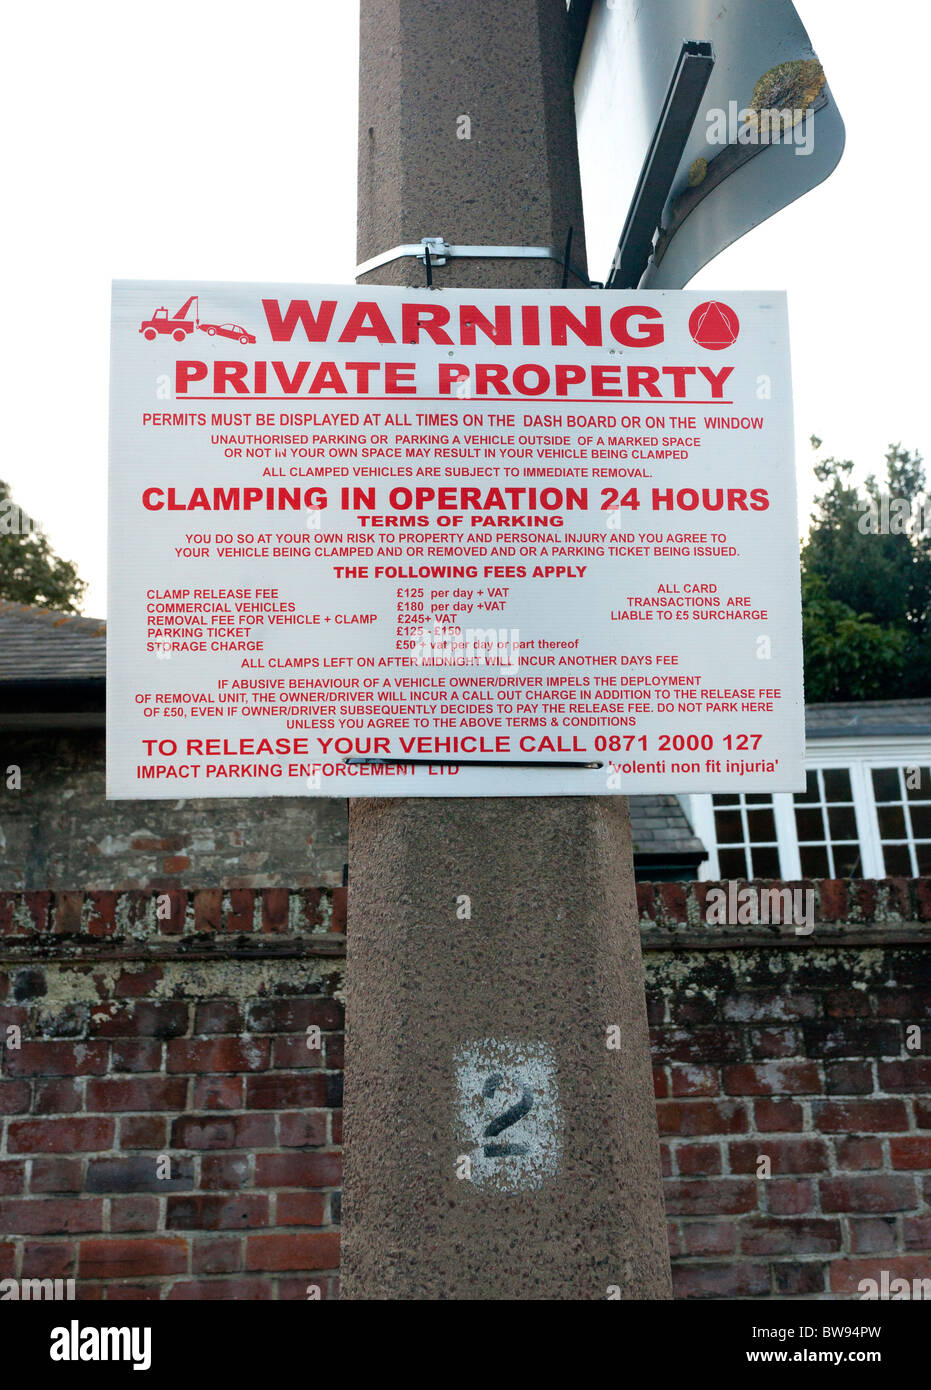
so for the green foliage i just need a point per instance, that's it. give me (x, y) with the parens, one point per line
(866, 584)
(30, 571)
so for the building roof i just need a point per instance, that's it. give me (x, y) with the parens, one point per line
(37, 644)
(868, 719)
(661, 832)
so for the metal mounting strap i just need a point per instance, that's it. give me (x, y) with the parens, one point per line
(435, 251)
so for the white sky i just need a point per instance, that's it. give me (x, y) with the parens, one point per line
(200, 140)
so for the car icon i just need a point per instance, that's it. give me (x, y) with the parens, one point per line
(227, 330)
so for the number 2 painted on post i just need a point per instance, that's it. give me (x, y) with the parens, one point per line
(502, 1122)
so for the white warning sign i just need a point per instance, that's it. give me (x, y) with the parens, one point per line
(388, 542)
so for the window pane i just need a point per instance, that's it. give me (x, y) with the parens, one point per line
(897, 861)
(891, 822)
(886, 784)
(809, 824)
(923, 855)
(726, 799)
(847, 861)
(843, 823)
(921, 792)
(759, 799)
(732, 863)
(921, 822)
(837, 784)
(814, 861)
(811, 788)
(727, 827)
(762, 827)
(766, 862)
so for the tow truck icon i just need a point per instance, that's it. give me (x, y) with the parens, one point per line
(180, 324)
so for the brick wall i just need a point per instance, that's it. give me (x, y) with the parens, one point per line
(58, 830)
(183, 1037)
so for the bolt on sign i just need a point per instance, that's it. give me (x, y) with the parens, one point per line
(385, 542)
(767, 132)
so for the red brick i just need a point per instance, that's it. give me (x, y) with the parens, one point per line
(674, 902)
(298, 1170)
(293, 1015)
(710, 1196)
(832, 906)
(221, 1131)
(846, 1275)
(339, 899)
(775, 1042)
(808, 1278)
(313, 1250)
(208, 1213)
(14, 1097)
(302, 1129)
(241, 915)
(142, 1018)
(56, 1175)
(858, 1152)
(910, 1074)
(50, 1216)
(12, 1177)
(660, 1083)
(275, 903)
(216, 1255)
(145, 1257)
(772, 1079)
(208, 910)
(720, 1280)
(59, 1097)
(235, 1290)
(215, 1055)
(694, 1160)
(37, 906)
(176, 864)
(282, 1091)
(297, 1288)
(871, 1235)
(814, 1236)
(768, 1007)
(136, 1054)
(60, 1136)
(218, 1016)
(865, 1116)
(846, 1003)
(173, 923)
(702, 1117)
(848, 1078)
(136, 1093)
(673, 1240)
(785, 1155)
(7, 1258)
(872, 1194)
(143, 1132)
(694, 1081)
(299, 1209)
(923, 1114)
(292, 1053)
(129, 1293)
(708, 1237)
(773, 1116)
(336, 1126)
(790, 1196)
(101, 920)
(49, 1260)
(138, 984)
(217, 1093)
(225, 1171)
(56, 1059)
(916, 1232)
(665, 1160)
(910, 1151)
(135, 1213)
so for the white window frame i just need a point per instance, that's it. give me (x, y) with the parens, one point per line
(860, 756)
